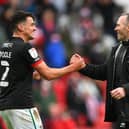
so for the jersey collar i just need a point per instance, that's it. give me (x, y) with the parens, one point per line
(16, 38)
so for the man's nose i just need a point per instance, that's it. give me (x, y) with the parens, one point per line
(35, 28)
(115, 29)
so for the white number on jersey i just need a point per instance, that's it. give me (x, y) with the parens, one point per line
(4, 83)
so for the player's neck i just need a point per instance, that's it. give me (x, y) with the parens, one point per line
(16, 34)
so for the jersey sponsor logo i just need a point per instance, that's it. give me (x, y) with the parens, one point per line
(33, 53)
(7, 45)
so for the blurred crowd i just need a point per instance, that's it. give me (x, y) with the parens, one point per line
(65, 27)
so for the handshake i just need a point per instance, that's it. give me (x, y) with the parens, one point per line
(77, 61)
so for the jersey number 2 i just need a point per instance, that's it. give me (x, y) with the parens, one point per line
(4, 83)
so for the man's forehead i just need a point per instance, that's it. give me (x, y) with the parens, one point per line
(30, 19)
(122, 19)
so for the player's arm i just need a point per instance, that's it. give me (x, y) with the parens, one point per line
(53, 73)
(31, 56)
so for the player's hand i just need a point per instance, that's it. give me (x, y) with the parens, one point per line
(118, 93)
(74, 58)
(77, 61)
(36, 75)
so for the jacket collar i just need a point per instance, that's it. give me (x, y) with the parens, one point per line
(125, 43)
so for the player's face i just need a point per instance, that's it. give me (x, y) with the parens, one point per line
(122, 28)
(29, 28)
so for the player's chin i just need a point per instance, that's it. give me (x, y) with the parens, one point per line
(31, 38)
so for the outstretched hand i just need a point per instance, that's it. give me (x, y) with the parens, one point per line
(78, 60)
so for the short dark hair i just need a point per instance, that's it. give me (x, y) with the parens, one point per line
(18, 17)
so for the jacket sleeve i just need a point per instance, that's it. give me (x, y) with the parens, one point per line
(126, 86)
(98, 72)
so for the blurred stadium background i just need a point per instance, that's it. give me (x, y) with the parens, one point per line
(65, 27)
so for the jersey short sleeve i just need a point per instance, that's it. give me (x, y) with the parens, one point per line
(31, 55)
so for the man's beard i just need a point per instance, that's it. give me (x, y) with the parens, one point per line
(31, 38)
(119, 38)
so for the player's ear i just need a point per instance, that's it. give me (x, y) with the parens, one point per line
(20, 27)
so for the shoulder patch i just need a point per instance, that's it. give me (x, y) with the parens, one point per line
(33, 53)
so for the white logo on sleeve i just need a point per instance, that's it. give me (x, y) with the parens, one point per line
(33, 53)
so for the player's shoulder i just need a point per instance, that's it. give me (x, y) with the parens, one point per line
(13, 42)
(19, 43)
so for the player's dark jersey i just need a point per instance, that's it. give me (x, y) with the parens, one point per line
(16, 61)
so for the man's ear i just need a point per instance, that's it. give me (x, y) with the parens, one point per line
(128, 27)
(20, 27)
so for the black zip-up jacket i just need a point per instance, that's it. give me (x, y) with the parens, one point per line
(105, 72)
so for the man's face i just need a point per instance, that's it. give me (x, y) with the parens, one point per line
(29, 28)
(122, 28)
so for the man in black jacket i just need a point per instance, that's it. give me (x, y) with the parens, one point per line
(116, 72)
